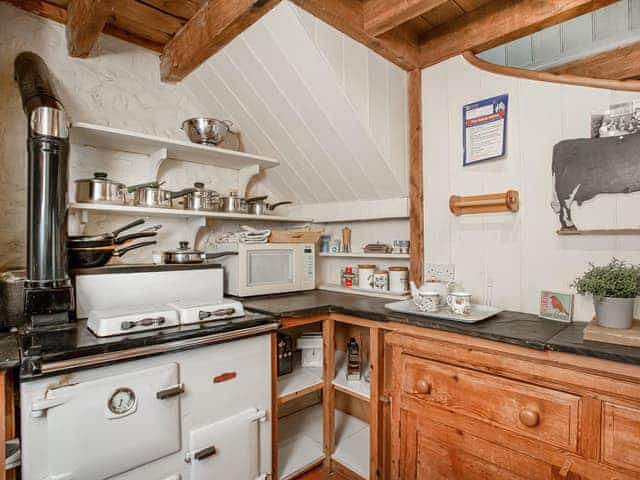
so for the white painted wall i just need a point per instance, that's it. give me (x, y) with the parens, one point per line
(518, 254)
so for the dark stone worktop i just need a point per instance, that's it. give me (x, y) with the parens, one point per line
(515, 328)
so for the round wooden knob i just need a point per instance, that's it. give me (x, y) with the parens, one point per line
(529, 417)
(423, 387)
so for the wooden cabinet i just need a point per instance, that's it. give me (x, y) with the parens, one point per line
(472, 409)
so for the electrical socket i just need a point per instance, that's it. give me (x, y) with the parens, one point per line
(443, 272)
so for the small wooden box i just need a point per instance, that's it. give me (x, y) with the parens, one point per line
(619, 336)
(295, 236)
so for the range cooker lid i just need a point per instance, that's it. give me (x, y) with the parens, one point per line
(119, 321)
(203, 311)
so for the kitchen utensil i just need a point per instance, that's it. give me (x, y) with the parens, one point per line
(334, 246)
(434, 285)
(377, 248)
(206, 131)
(325, 241)
(459, 302)
(346, 240)
(398, 279)
(365, 276)
(198, 198)
(150, 195)
(232, 203)
(184, 254)
(100, 189)
(108, 240)
(401, 246)
(99, 256)
(259, 205)
(100, 240)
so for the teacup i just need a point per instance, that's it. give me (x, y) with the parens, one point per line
(459, 302)
(427, 301)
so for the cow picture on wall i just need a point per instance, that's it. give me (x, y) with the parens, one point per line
(587, 167)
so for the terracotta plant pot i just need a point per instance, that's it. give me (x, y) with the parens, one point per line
(614, 312)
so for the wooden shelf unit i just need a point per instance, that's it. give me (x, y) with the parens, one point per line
(385, 256)
(330, 287)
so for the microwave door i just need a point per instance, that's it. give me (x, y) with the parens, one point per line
(268, 270)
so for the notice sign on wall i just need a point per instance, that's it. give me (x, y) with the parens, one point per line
(484, 128)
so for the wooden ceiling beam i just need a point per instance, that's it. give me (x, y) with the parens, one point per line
(619, 64)
(347, 16)
(209, 30)
(85, 21)
(380, 16)
(498, 22)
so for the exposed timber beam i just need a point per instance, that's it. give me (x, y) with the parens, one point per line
(209, 30)
(499, 22)
(348, 16)
(619, 64)
(416, 184)
(380, 16)
(85, 21)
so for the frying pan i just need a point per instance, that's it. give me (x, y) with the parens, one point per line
(186, 255)
(97, 257)
(108, 239)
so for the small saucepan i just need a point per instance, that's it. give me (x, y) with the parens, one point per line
(259, 205)
(151, 195)
(199, 198)
(99, 256)
(100, 189)
(185, 255)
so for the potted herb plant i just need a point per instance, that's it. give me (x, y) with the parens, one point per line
(614, 288)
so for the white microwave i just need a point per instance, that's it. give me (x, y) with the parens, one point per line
(267, 268)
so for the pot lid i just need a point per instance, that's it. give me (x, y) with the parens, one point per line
(398, 269)
(100, 177)
(367, 266)
(184, 248)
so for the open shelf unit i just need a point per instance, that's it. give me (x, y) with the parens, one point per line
(100, 136)
(352, 443)
(389, 256)
(300, 441)
(358, 388)
(180, 213)
(330, 287)
(301, 381)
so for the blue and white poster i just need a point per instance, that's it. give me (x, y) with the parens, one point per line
(484, 128)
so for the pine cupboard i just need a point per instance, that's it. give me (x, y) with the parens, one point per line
(464, 408)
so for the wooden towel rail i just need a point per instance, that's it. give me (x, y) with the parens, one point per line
(508, 201)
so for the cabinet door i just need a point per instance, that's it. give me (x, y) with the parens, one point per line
(432, 451)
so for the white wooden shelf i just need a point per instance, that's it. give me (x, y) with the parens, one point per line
(100, 136)
(300, 381)
(299, 442)
(352, 443)
(358, 388)
(390, 256)
(180, 213)
(329, 287)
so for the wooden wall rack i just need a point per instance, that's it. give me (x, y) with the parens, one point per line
(508, 201)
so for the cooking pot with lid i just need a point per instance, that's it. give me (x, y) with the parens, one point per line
(184, 255)
(100, 189)
(259, 205)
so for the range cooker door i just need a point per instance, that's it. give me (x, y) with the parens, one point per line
(228, 449)
(103, 427)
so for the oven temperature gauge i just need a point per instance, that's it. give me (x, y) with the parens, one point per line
(122, 402)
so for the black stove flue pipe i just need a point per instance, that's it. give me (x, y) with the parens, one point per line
(48, 295)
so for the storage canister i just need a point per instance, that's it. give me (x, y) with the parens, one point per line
(365, 276)
(398, 279)
(381, 280)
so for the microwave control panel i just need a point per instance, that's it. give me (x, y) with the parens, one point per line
(308, 265)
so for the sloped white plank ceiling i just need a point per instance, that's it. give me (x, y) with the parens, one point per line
(331, 111)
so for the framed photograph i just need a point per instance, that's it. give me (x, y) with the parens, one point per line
(556, 305)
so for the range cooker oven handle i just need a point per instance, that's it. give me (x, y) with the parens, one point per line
(223, 312)
(143, 322)
(170, 392)
(201, 454)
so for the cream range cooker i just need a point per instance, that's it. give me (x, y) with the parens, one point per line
(186, 414)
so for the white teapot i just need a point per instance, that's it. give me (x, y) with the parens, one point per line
(430, 296)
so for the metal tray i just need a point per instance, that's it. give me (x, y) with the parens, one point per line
(477, 314)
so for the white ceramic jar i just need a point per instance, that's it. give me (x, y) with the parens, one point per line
(398, 279)
(365, 276)
(381, 280)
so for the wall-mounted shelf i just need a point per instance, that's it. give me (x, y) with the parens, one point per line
(390, 256)
(100, 136)
(508, 201)
(301, 381)
(608, 231)
(367, 293)
(180, 213)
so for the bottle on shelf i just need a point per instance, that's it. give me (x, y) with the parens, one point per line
(353, 365)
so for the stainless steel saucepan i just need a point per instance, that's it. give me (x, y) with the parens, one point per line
(151, 195)
(185, 255)
(199, 198)
(233, 203)
(259, 205)
(100, 189)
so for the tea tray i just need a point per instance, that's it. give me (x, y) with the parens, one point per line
(477, 312)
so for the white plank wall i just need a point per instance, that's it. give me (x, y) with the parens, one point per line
(613, 26)
(508, 258)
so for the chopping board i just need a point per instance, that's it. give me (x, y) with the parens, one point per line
(629, 337)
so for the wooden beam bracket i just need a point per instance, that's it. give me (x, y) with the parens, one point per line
(85, 21)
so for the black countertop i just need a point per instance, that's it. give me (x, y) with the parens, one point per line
(515, 328)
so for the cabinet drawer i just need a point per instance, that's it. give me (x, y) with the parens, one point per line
(621, 437)
(537, 412)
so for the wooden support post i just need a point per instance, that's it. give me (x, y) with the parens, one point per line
(328, 395)
(416, 184)
(376, 346)
(85, 21)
